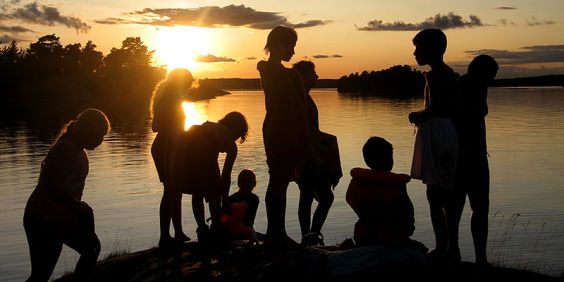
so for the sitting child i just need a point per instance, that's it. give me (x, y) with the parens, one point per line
(379, 198)
(244, 204)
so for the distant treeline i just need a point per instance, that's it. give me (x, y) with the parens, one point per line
(397, 81)
(254, 83)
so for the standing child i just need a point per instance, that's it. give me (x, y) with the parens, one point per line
(284, 129)
(168, 122)
(473, 174)
(379, 198)
(55, 213)
(196, 170)
(244, 204)
(436, 144)
(322, 170)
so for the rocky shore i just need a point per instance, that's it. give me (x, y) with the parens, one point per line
(244, 261)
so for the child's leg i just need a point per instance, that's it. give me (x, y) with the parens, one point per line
(435, 197)
(275, 201)
(82, 238)
(480, 204)
(165, 214)
(44, 251)
(304, 208)
(198, 210)
(325, 201)
(215, 209)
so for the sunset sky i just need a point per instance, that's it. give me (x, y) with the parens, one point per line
(226, 39)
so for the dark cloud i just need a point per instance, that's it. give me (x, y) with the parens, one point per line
(326, 56)
(44, 15)
(534, 22)
(505, 8)
(209, 16)
(438, 21)
(529, 55)
(250, 58)
(6, 39)
(14, 29)
(209, 58)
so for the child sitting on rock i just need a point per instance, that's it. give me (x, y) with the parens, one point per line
(379, 198)
(244, 204)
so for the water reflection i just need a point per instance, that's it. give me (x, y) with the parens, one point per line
(193, 114)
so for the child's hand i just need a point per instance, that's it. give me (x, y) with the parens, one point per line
(84, 209)
(415, 118)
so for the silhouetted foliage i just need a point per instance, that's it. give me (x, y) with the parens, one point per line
(52, 83)
(397, 81)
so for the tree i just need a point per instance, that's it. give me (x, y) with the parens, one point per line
(92, 60)
(132, 55)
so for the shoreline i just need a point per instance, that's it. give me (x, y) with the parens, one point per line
(243, 261)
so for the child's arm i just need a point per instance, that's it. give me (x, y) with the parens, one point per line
(226, 173)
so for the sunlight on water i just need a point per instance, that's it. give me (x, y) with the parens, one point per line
(193, 115)
(525, 138)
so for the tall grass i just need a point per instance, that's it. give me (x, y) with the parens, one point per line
(522, 243)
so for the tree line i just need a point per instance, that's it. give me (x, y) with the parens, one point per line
(396, 81)
(49, 80)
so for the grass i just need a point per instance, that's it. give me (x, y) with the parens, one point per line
(522, 243)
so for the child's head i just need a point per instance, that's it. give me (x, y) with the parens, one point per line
(171, 89)
(246, 180)
(89, 128)
(307, 71)
(236, 124)
(281, 42)
(484, 67)
(430, 46)
(378, 154)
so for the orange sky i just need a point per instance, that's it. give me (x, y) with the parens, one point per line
(341, 37)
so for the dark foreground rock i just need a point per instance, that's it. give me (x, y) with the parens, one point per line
(259, 262)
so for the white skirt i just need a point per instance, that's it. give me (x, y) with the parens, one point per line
(435, 153)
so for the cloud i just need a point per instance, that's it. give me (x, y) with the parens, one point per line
(209, 58)
(209, 16)
(14, 29)
(326, 56)
(43, 15)
(505, 8)
(530, 55)
(251, 58)
(534, 22)
(6, 39)
(438, 21)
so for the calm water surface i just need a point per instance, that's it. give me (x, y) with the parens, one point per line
(526, 145)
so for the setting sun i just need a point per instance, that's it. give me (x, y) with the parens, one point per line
(178, 47)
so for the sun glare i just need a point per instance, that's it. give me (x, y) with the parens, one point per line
(192, 115)
(177, 47)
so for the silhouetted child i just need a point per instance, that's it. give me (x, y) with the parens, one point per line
(436, 144)
(55, 213)
(244, 204)
(168, 122)
(284, 130)
(195, 168)
(379, 198)
(473, 174)
(322, 170)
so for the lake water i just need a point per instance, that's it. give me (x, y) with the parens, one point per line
(526, 145)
